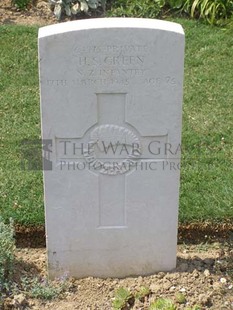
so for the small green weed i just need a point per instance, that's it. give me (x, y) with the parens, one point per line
(40, 288)
(122, 299)
(180, 298)
(7, 248)
(162, 304)
(143, 292)
(203, 247)
(43, 288)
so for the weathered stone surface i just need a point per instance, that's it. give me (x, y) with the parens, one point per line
(111, 98)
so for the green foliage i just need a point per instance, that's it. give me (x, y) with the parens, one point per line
(180, 298)
(74, 7)
(121, 299)
(217, 12)
(143, 292)
(7, 258)
(7, 248)
(21, 191)
(175, 4)
(206, 133)
(137, 8)
(193, 308)
(21, 4)
(162, 304)
(214, 11)
(43, 288)
(35, 287)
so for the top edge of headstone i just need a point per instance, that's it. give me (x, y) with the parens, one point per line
(108, 23)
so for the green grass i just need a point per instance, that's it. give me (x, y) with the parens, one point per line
(206, 175)
(21, 191)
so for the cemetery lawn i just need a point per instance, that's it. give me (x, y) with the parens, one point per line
(206, 173)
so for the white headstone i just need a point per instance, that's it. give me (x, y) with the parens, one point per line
(111, 100)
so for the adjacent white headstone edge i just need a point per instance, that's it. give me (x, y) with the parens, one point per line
(114, 22)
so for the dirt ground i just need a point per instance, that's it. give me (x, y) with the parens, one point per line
(204, 275)
(37, 13)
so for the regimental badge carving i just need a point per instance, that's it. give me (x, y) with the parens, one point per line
(114, 149)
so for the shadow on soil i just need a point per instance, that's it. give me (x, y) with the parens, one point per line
(193, 233)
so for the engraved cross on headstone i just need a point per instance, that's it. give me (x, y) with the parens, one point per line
(112, 212)
(118, 149)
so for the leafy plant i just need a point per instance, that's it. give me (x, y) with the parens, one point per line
(180, 298)
(123, 297)
(143, 292)
(43, 288)
(7, 248)
(74, 7)
(137, 8)
(21, 4)
(162, 304)
(212, 10)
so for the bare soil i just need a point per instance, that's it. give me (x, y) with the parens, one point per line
(191, 233)
(204, 275)
(37, 13)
